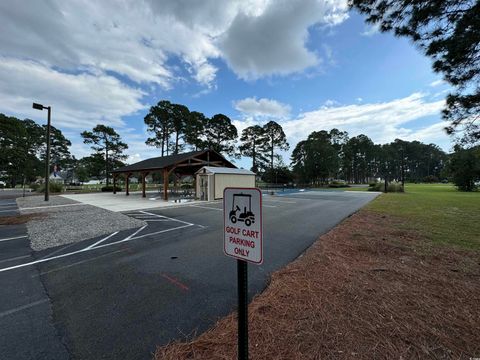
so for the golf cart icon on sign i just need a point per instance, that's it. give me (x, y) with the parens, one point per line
(242, 219)
(237, 214)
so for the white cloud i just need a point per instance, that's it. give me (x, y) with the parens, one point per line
(274, 41)
(262, 108)
(78, 101)
(440, 93)
(382, 122)
(431, 134)
(330, 103)
(371, 30)
(94, 35)
(138, 38)
(437, 83)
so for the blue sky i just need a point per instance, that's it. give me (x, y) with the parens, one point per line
(307, 64)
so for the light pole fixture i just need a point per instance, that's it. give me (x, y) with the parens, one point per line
(47, 159)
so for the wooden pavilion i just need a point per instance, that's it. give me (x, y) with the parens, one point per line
(179, 164)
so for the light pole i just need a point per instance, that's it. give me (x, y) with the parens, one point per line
(47, 160)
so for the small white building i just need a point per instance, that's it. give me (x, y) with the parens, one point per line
(211, 181)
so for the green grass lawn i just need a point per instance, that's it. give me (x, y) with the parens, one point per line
(438, 211)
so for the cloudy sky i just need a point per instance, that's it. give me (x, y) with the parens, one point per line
(307, 64)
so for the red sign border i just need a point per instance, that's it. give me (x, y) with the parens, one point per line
(261, 224)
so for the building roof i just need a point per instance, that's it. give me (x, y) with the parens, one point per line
(224, 170)
(196, 158)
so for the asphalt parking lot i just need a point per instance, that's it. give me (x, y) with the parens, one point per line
(120, 295)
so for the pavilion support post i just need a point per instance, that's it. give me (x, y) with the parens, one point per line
(195, 186)
(165, 184)
(144, 175)
(175, 180)
(127, 177)
(114, 184)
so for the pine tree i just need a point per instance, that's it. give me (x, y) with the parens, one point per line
(448, 31)
(106, 141)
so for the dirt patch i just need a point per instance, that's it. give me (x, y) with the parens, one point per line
(20, 219)
(366, 290)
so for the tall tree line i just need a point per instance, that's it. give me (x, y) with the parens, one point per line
(23, 150)
(324, 156)
(321, 157)
(174, 129)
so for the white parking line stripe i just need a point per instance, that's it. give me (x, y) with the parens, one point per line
(14, 238)
(142, 236)
(94, 248)
(100, 241)
(265, 205)
(4, 206)
(58, 250)
(11, 210)
(8, 204)
(166, 217)
(206, 207)
(101, 245)
(79, 263)
(24, 307)
(135, 233)
(42, 260)
(14, 258)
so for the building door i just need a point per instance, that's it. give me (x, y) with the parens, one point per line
(204, 187)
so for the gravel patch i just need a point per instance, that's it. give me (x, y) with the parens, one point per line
(69, 224)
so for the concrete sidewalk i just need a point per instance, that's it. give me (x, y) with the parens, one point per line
(120, 202)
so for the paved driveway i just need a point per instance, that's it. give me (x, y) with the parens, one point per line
(120, 295)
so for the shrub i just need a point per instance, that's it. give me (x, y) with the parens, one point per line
(109, 188)
(54, 187)
(34, 186)
(186, 186)
(430, 179)
(465, 167)
(391, 187)
(338, 184)
(394, 187)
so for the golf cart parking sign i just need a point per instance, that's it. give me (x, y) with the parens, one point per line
(242, 214)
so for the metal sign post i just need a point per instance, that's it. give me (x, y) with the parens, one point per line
(243, 240)
(242, 284)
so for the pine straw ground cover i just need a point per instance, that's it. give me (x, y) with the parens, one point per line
(368, 289)
(19, 219)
